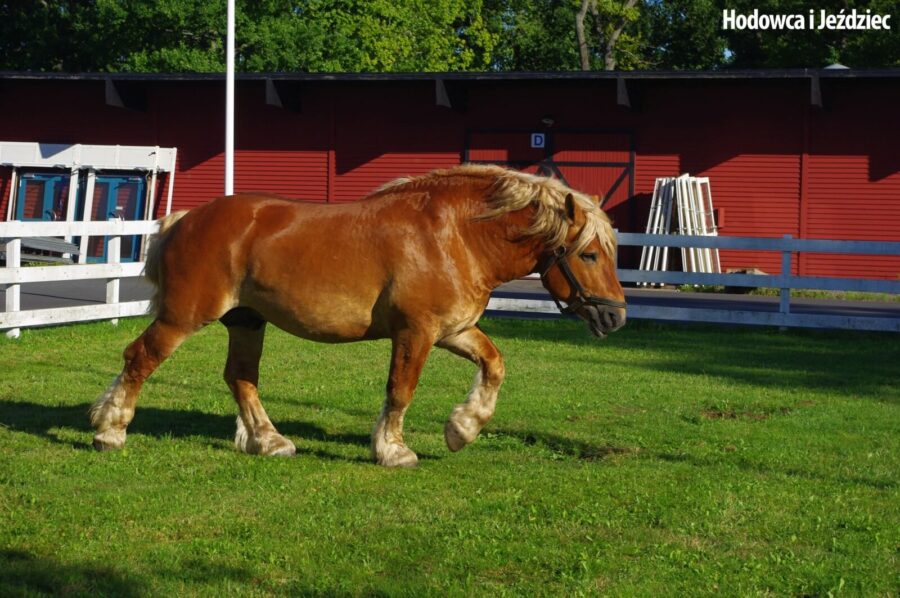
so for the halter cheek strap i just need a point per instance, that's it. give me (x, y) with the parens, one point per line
(582, 297)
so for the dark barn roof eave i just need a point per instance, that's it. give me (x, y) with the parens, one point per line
(759, 74)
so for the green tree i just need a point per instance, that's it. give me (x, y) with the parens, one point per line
(612, 41)
(425, 35)
(401, 35)
(541, 35)
(272, 35)
(534, 35)
(683, 34)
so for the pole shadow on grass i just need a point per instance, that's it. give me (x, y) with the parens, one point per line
(750, 466)
(42, 421)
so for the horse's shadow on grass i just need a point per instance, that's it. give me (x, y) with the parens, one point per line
(563, 446)
(44, 421)
(24, 574)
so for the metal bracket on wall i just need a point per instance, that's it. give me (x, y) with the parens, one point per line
(283, 95)
(622, 98)
(815, 91)
(125, 94)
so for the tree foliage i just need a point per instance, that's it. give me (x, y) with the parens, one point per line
(274, 35)
(683, 34)
(424, 35)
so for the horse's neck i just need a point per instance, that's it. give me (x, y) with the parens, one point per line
(507, 255)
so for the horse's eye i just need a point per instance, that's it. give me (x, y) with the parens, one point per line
(590, 258)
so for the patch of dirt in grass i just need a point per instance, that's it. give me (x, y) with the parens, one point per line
(628, 410)
(751, 415)
(583, 418)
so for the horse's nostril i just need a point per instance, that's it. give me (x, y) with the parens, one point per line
(609, 319)
(612, 319)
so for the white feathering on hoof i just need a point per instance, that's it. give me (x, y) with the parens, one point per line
(387, 446)
(467, 419)
(111, 400)
(271, 443)
(110, 417)
(241, 438)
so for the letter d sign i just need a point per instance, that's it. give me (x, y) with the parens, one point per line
(538, 140)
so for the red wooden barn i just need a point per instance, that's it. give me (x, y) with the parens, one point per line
(814, 154)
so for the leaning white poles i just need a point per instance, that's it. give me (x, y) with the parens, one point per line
(692, 199)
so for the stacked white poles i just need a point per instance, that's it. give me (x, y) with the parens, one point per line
(692, 198)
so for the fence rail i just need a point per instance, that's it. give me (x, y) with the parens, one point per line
(14, 275)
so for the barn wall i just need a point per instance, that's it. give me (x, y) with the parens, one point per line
(749, 149)
(853, 189)
(777, 165)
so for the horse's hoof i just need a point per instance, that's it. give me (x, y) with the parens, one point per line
(454, 436)
(282, 448)
(398, 456)
(110, 440)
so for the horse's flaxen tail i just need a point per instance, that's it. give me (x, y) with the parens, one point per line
(153, 265)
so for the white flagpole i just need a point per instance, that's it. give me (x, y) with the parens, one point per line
(229, 103)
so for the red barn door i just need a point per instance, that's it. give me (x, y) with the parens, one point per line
(596, 162)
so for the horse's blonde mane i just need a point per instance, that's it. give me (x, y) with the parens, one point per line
(513, 190)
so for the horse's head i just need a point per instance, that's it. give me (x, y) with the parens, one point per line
(584, 276)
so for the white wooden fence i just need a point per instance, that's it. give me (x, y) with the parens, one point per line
(14, 275)
(12, 319)
(782, 317)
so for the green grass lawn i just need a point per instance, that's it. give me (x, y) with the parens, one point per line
(665, 460)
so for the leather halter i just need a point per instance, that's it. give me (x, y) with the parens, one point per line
(582, 297)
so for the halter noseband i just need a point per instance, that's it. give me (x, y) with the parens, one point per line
(582, 297)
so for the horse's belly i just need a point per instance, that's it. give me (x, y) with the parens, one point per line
(332, 321)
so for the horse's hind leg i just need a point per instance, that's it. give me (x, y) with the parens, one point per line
(114, 410)
(255, 433)
(468, 418)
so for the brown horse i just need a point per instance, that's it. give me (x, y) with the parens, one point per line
(414, 262)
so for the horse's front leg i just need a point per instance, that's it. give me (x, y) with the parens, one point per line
(409, 352)
(468, 418)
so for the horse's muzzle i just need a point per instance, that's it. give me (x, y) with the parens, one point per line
(604, 319)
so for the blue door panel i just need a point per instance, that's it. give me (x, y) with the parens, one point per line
(42, 197)
(115, 196)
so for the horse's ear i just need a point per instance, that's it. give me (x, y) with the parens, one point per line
(574, 214)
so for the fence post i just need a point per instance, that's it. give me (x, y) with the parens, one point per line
(113, 256)
(13, 291)
(784, 307)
